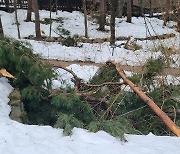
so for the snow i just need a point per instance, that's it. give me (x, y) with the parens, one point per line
(74, 22)
(96, 52)
(5, 89)
(64, 78)
(17, 138)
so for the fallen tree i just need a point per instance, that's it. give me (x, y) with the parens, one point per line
(101, 104)
(169, 123)
(88, 95)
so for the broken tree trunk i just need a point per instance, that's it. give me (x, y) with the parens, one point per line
(169, 123)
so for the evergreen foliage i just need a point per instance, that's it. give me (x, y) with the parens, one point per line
(62, 109)
(72, 105)
(154, 67)
(116, 127)
(129, 106)
(68, 122)
(62, 32)
(107, 73)
(26, 67)
(69, 41)
(33, 77)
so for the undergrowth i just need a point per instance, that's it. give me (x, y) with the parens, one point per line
(62, 109)
(118, 111)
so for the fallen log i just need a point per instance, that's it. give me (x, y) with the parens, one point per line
(169, 123)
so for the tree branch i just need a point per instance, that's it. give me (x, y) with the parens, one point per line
(164, 117)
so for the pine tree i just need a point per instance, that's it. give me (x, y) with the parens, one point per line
(33, 77)
(63, 109)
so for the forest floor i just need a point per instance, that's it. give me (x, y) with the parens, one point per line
(134, 69)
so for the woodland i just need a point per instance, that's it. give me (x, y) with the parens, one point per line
(111, 100)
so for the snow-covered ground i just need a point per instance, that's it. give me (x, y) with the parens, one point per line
(96, 52)
(64, 78)
(17, 138)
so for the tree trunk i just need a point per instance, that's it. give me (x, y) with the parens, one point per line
(37, 20)
(29, 10)
(167, 15)
(141, 4)
(150, 8)
(56, 7)
(20, 2)
(102, 18)
(7, 4)
(112, 22)
(85, 18)
(120, 8)
(16, 18)
(178, 24)
(1, 28)
(169, 123)
(50, 16)
(129, 11)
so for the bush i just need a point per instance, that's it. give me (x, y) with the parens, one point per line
(70, 42)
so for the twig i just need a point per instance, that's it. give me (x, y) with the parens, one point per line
(132, 111)
(103, 84)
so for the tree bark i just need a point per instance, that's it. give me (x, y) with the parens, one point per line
(16, 18)
(141, 7)
(129, 11)
(102, 18)
(37, 20)
(7, 4)
(85, 18)
(29, 10)
(150, 8)
(178, 24)
(56, 7)
(20, 2)
(167, 8)
(120, 8)
(1, 28)
(50, 17)
(112, 22)
(169, 123)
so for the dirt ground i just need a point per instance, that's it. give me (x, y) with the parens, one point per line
(136, 69)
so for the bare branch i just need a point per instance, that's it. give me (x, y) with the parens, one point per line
(103, 84)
